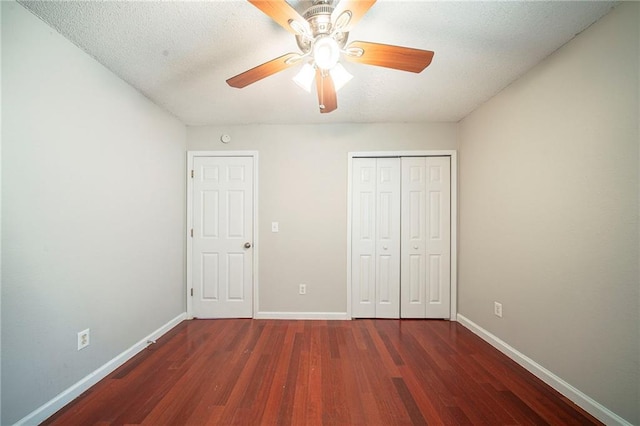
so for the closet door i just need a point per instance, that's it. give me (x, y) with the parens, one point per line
(426, 237)
(375, 238)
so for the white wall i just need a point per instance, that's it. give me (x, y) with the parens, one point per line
(549, 213)
(303, 186)
(92, 214)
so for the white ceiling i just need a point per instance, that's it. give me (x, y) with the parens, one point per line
(179, 54)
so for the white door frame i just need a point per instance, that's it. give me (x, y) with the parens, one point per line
(454, 216)
(190, 158)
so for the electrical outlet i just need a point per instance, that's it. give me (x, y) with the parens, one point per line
(83, 339)
(497, 309)
(302, 289)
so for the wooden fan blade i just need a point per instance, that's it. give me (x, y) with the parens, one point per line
(281, 12)
(385, 55)
(264, 70)
(356, 9)
(326, 92)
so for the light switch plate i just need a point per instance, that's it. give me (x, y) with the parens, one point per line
(275, 227)
(497, 309)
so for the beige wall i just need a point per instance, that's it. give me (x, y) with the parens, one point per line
(92, 214)
(303, 186)
(549, 213)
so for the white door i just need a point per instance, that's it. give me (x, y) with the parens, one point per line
(426, 237)
(375, 238)
(222, 253)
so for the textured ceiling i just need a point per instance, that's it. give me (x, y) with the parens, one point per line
(179, 55)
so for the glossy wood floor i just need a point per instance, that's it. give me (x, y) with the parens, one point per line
(362, 372)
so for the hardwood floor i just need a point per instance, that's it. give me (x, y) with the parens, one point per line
(361, 372)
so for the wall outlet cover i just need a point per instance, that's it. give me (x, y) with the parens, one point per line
(83, 339)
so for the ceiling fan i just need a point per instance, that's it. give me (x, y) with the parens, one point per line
(321, 34)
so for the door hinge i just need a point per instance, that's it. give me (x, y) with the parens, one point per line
(192, 292)
(191, 232)
(191, 174)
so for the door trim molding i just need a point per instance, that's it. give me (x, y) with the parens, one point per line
(191, 155)
(453, 314)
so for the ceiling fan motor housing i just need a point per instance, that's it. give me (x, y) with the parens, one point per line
(319, 18)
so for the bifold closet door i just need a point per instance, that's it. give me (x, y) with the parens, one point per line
(375, 238)
(426, 237)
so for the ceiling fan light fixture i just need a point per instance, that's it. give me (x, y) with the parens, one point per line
(326, 52)
(305, 77)
(340, 76)
(321, 33)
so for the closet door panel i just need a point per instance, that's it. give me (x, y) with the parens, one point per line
(413, 264)
(388, 238)
(438, 245)
(363, 238)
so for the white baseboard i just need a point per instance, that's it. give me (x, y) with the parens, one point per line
(49, 408)
(582, 400)
(302, 315)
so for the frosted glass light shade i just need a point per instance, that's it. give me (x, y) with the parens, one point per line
(305, 77)
(340, 76)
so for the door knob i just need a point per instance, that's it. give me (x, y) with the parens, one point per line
(247, 245)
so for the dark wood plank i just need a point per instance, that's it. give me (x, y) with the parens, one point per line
(362, 372)
(409, 402)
